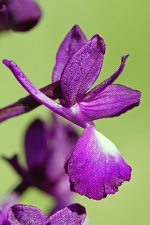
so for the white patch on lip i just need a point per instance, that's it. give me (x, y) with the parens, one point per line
(74, 109)
(107, 146)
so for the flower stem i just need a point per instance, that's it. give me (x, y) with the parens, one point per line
(28, 103)
(21, 188)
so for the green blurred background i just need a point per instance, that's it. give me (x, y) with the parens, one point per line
(125, 26)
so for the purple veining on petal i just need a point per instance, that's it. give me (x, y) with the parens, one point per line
(82, 70)
(96, 167)
(114, 100)
(73, 41)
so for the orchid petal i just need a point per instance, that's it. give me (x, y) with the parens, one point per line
(36, 144)
(112, 101)
(30, 88)
(73, 41)
(97, 89)
(72, 215)
(39, 96)
(96, 167)
(82, 70)
(25, 214)
(5, 203)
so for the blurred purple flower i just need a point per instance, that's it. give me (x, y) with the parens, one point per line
(46, 149)
(95, 167)
(25, 214)
(5, 203)
(19, 15)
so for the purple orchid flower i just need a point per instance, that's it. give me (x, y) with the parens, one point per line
(25, 214)
(46, 149)
(95, 167)
(19, 15)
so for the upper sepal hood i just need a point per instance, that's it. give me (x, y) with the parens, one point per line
(82, 70)
(73, 41)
